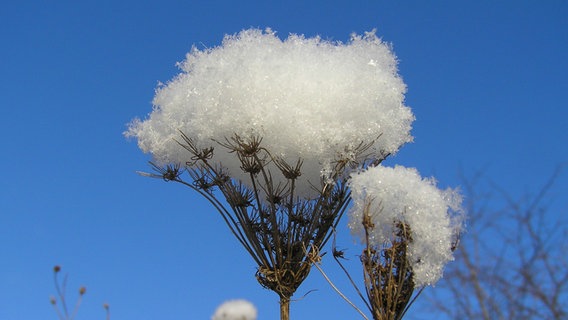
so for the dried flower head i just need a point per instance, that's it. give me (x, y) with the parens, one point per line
(384, 198)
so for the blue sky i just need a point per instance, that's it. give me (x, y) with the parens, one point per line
(486, 79)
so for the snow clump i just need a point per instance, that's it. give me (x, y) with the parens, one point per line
(235, 310)
(400, 194)
(307, 98)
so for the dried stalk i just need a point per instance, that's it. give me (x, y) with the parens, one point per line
(387, 272)
(282, 232)
(60, 288)
(343, 296)
(388, 275)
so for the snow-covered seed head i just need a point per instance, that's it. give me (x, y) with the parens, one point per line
(390, 196)
(306, 98)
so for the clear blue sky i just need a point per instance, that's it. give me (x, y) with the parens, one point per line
(487, 83)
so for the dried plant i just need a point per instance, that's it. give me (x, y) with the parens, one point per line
(408, 237)
(388, 273)
(63, 312)
(274, 133)
(281, 231)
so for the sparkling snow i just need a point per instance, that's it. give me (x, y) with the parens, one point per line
(307, 98)
(401, 194)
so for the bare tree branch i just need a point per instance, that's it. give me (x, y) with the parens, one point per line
(512, 263)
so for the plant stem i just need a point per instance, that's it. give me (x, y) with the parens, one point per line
(284, 308)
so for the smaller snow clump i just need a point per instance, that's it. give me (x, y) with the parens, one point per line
(400, 194)
(235, 310)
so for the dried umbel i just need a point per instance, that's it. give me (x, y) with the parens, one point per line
(409, 229)
(388, 274)
(281, 231)
(390, 196)
(62, 311)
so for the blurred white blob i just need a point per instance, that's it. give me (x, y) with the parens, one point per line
(235, 310)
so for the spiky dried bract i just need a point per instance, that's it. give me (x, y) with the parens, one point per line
(281, 231)
(395, 196)
(308, 99)
(235, 310)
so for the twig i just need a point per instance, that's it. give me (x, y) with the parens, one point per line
(339, 292)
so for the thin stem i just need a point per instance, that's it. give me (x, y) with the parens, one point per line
(263, 221)
(229, 221)
(76, 306)
(338, 214)
(275, 232)
(59, 315)
(352, 282)
(61, 294)
(339, 292)
(107, 309)
(411, 302)
(290, 213)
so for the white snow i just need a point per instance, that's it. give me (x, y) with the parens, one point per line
(307, 98)
(400, 194)
(235, 310)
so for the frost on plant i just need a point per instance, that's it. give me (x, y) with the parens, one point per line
(235, 310)
(409, 228)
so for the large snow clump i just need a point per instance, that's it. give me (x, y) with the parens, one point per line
(307, 98)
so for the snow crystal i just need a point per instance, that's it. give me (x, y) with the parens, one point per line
(235, 310)
(400, 194)
(306, 97)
